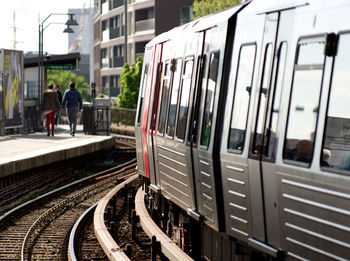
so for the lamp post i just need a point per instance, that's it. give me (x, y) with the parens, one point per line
(70, 22)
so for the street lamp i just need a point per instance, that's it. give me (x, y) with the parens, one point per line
(70, 22)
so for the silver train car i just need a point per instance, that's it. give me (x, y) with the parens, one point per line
(243, 131)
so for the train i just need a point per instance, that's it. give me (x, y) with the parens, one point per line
(243, 132)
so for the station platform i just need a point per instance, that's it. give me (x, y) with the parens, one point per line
(23, 152)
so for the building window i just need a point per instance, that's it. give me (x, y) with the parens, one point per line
(304, 101)
(118, 56)
(104, 58)
(185, 14)
(114, 85)
(105, 85)
(30, 90)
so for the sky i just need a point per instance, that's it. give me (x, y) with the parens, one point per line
(28, 15)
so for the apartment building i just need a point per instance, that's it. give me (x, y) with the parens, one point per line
(122, 28)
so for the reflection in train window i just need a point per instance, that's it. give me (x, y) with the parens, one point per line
(164, 101)
(209, 99)
(241, 98)
(304, 103)
(173, 99)
(336, 140)
(184, 99)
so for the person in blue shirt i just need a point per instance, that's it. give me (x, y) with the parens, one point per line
(72, 100)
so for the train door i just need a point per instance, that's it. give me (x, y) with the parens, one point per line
(265, 215)
(140, 112)
(153, 107)
(205, 111)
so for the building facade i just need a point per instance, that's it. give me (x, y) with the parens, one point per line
(117, 42)
(81, 41)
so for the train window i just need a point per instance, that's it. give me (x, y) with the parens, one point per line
(165, 98)
(264, 92)
(174, 97)
(272, 129)
(304, 102)
(336, 140)
(184, 99)
(200, 79)
(241, 101)
(209, 99)
(143, 90)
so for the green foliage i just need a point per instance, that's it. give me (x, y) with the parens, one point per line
(101, 95)
(130, 83)
(62, 78)
(206, 7)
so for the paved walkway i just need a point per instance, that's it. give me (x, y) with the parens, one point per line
(22, 152)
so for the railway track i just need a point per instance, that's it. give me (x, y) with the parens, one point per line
(40, 228)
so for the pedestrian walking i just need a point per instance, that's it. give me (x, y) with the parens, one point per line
(73, 101)
(59, 94)
(50, 105)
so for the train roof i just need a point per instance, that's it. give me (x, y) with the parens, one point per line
(200, 24)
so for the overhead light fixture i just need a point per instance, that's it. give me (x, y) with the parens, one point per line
(71, 21)
(68, 30)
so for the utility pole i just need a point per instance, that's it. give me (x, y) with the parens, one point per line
(15, 42)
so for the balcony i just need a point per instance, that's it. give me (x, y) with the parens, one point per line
(145, 25)
(118, 61)
(105, 35)
(114, 33)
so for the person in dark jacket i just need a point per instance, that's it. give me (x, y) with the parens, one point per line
(50, 105)
(73, 101)
(59, 94)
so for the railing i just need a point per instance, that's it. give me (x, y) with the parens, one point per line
(144, 25)
(123, 116)
(118, 3)
(114, 32)
(118, 61)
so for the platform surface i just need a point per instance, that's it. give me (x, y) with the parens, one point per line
(25, 151)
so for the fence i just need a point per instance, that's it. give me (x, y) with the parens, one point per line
(123, 116)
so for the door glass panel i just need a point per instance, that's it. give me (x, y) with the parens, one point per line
(200, 79)
(173, 100)
(264, 91)
(184, 99)
(336, 140)
(271, 144)
(164, 102)
(209, 99)
(304, 104)
(241, 98)
(143, 88)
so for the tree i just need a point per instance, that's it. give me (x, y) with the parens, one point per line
(62, 78)
(205, 7)
(130, 83)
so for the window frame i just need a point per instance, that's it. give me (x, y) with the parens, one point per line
(184, 76)
(330, 87)
(235, 151)
(299, 67)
